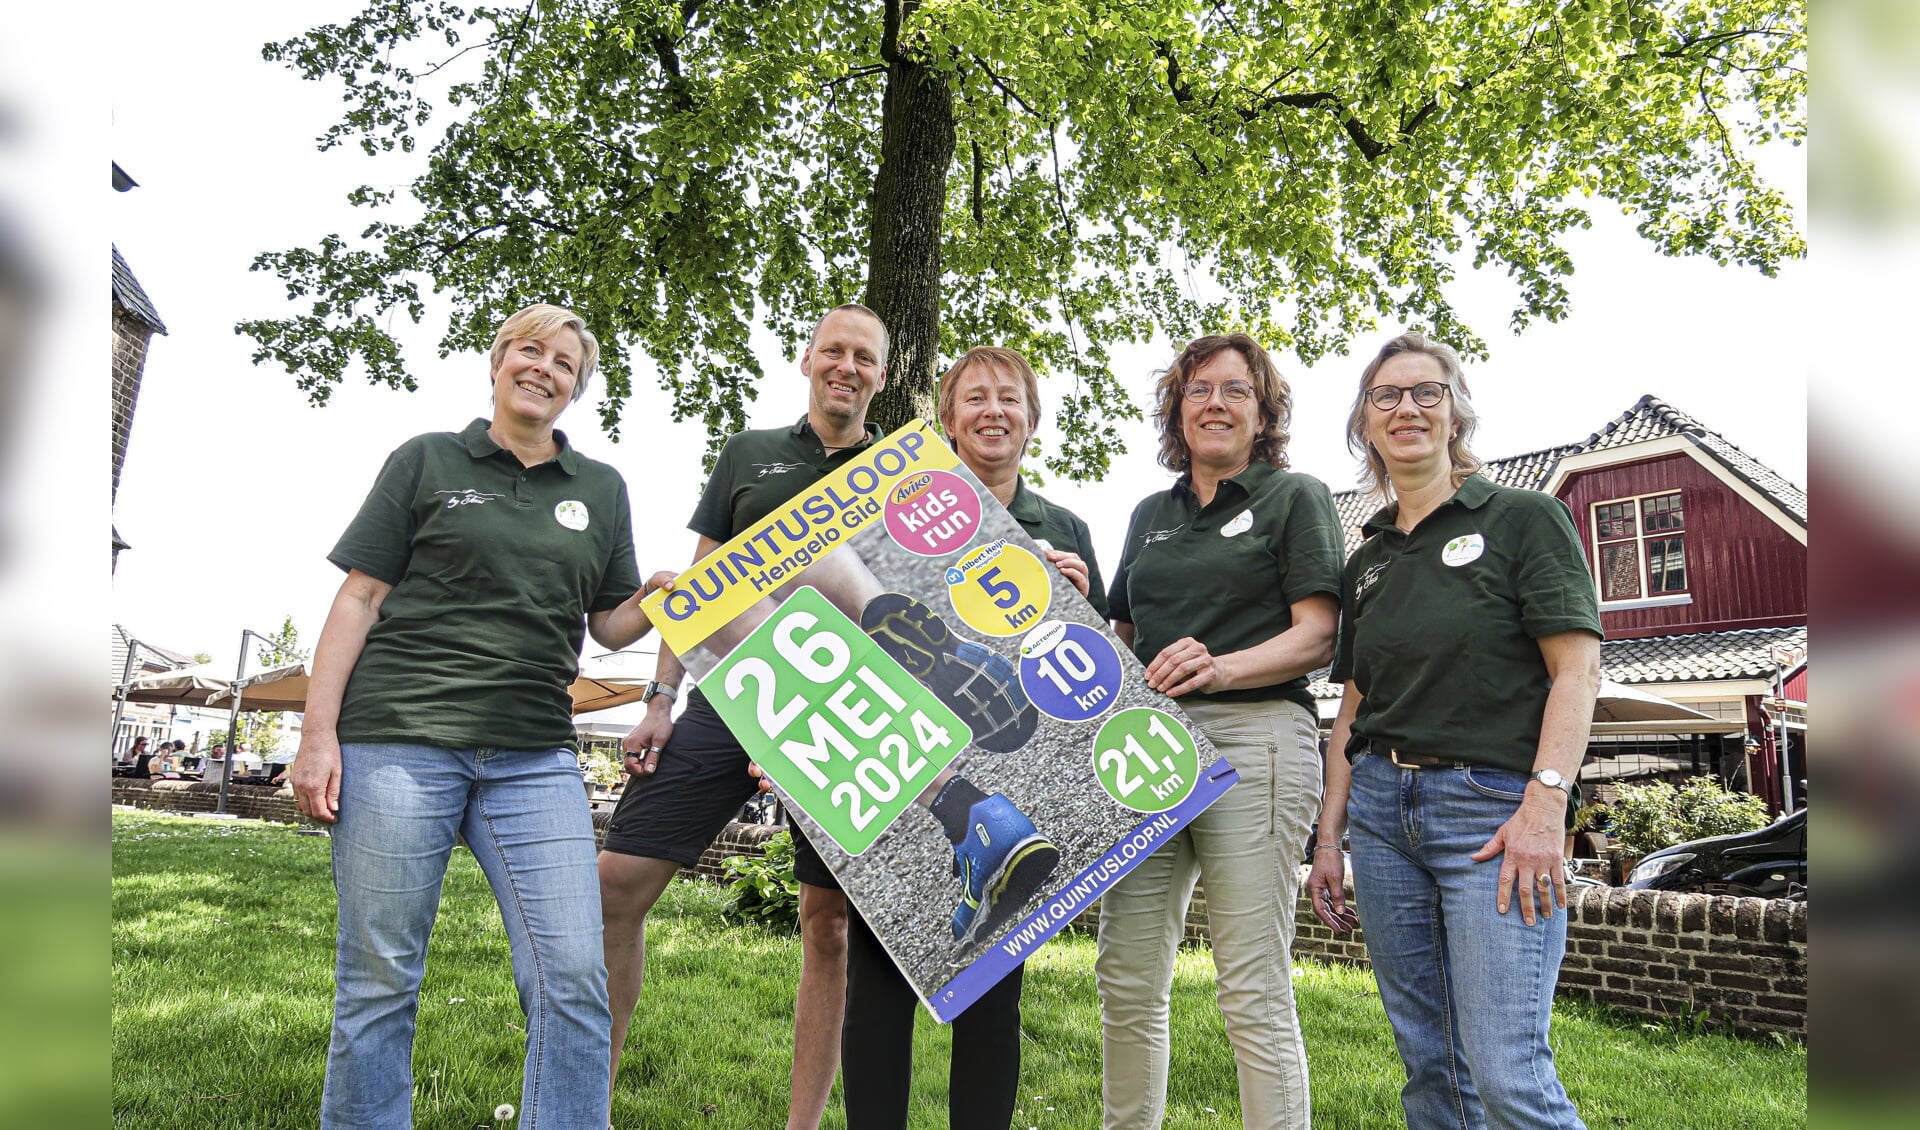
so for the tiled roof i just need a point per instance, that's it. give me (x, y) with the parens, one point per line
(146, 656)
(1701, 656)
(1653, 418)
(1530, 471)
(1698, 657)
(1649, 419)
(129, 297)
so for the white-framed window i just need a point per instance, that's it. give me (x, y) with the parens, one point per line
(1640, 548)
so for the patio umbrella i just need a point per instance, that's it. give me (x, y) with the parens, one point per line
(284, 688)
(1617, 703)
(188, 686)
(1621, 703)
(605, 691)
(1629, 765)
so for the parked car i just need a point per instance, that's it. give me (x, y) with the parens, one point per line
(1769, 862)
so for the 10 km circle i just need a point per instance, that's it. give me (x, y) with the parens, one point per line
(1070, 671)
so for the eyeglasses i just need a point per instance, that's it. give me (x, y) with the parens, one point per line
(1426, 394)
(1233, 392)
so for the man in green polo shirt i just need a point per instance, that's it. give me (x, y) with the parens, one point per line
(688, 778)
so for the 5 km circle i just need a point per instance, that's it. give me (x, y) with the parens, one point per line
(1146, 759)
(1070, 671)
(999, 589)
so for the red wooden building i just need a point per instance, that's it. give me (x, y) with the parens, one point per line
(1699, 554)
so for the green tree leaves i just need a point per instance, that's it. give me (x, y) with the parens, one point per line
(680, 171)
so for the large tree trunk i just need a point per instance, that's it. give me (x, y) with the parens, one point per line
(909, 204)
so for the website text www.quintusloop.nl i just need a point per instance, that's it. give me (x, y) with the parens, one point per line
(1095, 879)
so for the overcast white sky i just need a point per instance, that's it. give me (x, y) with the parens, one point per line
(235, 488)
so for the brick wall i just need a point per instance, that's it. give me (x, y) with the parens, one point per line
(130, 338)
(255, 802)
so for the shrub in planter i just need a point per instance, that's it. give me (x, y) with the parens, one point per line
(762, 888)
(1656, 815)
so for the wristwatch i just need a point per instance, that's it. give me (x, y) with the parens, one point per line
(1553, 780)
(656, 687)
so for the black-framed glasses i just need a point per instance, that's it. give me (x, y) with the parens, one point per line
(1233, 392)
(1426, 394)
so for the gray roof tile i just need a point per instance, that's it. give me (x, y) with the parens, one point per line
(129, 297)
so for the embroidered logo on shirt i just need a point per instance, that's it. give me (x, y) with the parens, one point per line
(571, 514)
(1160, 535)
(1465, 548)
(1242, 522)
(1367, 580)
(468, 497)
(775, 469)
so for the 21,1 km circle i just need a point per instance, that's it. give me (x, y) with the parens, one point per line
(1146, 759)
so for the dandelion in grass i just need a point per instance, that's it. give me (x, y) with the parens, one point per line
(503, 1113)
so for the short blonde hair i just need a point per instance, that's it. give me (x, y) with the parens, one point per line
(1466, 419)
(996, 357)
(540, 322)
(1269, 388)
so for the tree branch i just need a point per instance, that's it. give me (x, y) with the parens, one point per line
(1001, 85)
(449, 60)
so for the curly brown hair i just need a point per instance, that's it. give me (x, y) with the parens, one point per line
(1270, 388)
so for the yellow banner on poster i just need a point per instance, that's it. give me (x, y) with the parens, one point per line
(726, 582)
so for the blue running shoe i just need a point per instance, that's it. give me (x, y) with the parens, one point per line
(1002, 863)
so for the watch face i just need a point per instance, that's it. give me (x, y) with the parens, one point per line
(1550, 778)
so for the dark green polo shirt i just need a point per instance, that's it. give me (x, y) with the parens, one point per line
(1228, 574)
(1063, 530)
(1439, 626)
(494, 567)
(760, 470)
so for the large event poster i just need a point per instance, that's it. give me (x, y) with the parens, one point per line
(891, 636)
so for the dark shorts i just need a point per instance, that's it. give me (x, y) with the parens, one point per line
(699, 785)
(808, 867)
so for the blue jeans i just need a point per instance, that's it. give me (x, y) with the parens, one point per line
(1246, 848)
(524, 815)
(1469, 990)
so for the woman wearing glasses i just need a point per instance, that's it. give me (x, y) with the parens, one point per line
(1227, 592)
(1470, 654)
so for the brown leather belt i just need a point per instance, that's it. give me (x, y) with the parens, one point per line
(1416, 761)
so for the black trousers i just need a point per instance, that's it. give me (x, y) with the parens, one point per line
(876, 1045)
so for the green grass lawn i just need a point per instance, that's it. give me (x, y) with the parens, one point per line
(222, 993)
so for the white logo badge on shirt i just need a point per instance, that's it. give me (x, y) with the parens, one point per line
(571, 514)
(1465, 548)
(1242, 522)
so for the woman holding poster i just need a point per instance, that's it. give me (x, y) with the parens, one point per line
(989, 407)
(1470, 654)
(438, 708)
(1228, 592)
